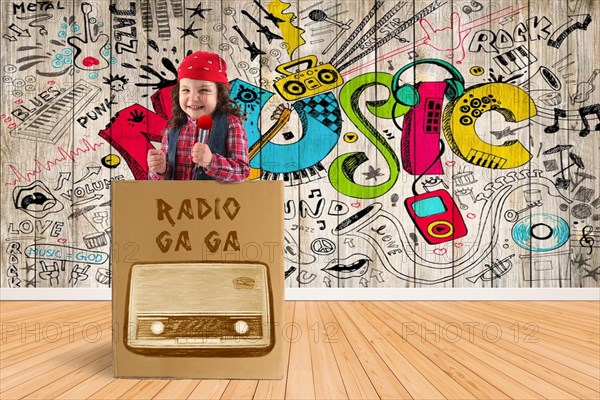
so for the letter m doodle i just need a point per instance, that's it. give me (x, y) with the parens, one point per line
(134, 127)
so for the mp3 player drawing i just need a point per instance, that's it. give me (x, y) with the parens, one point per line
(200, 310)
(436, 216)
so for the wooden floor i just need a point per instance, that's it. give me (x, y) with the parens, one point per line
(335, 350)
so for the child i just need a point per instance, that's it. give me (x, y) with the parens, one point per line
(202, 89)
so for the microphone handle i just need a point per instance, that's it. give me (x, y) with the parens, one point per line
(202, 133)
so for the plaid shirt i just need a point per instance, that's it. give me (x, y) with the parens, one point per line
(232, 167)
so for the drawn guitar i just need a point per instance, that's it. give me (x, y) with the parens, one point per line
(88, 51)
(584, 89)
(251, 47)
(263, 29)
(271, 17)
(282, 114)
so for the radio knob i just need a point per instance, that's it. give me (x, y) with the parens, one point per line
(241, 327)
(157, 327)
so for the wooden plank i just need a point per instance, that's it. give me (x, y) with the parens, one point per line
(209, 389)
(300, 381)
(521, 385)
(42, 375)
(547, 342)
(356, 378)
(240, 389)
(416, 383)
(145, 389)
(456, 365)
(59, 386)
(328, 382)
(384, 380)
(114, 389)
(87, 387)
(44, 354)
(275, 389)
(567, 376)
(177, 389)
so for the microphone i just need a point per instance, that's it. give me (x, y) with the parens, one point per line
(203, 125)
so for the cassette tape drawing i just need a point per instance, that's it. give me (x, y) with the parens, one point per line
(200, 310)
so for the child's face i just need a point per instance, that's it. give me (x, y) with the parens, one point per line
(197, 97)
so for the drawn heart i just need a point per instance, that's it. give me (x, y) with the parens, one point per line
(440, 251)
(355, 204)
(459, 245)
(471, 216)
(62, 240)
(19, 101)
(450, 163)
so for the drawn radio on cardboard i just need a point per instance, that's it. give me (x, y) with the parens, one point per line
(311, 81)
(200, 310)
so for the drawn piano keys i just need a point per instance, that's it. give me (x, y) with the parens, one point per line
(515, 60)
(295, 178)
(51, 121)
(486, 160)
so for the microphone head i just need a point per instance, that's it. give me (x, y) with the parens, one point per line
(205, 122)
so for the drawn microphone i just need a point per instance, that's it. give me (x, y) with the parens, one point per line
(203, 125)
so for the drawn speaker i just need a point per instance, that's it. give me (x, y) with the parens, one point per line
(436, 216)
(311, 81)
(200, 310)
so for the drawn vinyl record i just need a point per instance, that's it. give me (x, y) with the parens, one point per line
(541, 232)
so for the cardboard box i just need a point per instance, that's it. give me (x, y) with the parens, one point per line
(197, 279)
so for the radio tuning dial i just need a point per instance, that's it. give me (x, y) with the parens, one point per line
(157, 327)
(241, 327)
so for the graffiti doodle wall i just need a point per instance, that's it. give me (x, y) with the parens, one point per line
(425, 143)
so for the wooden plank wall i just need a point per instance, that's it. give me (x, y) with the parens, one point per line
(371, 200)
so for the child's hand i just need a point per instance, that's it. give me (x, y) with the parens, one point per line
(157, 162)
(201, 154)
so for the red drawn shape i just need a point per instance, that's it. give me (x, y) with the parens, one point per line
(19, 101)
(471, 216)
(450, 163)
(440, 251)
(61, 240)
(90, 61)
(356, 204)
(458, 245)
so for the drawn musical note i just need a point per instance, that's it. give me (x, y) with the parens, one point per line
(587, 240)
(558, 113)
(312, 193)
(476, 6)
(584, 112)
(390, 66)
(412, 55)
(321, 224)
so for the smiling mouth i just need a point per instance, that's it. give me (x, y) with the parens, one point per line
(354, 266)
(196, 107)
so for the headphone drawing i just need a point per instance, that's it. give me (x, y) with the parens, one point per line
(407, 95)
